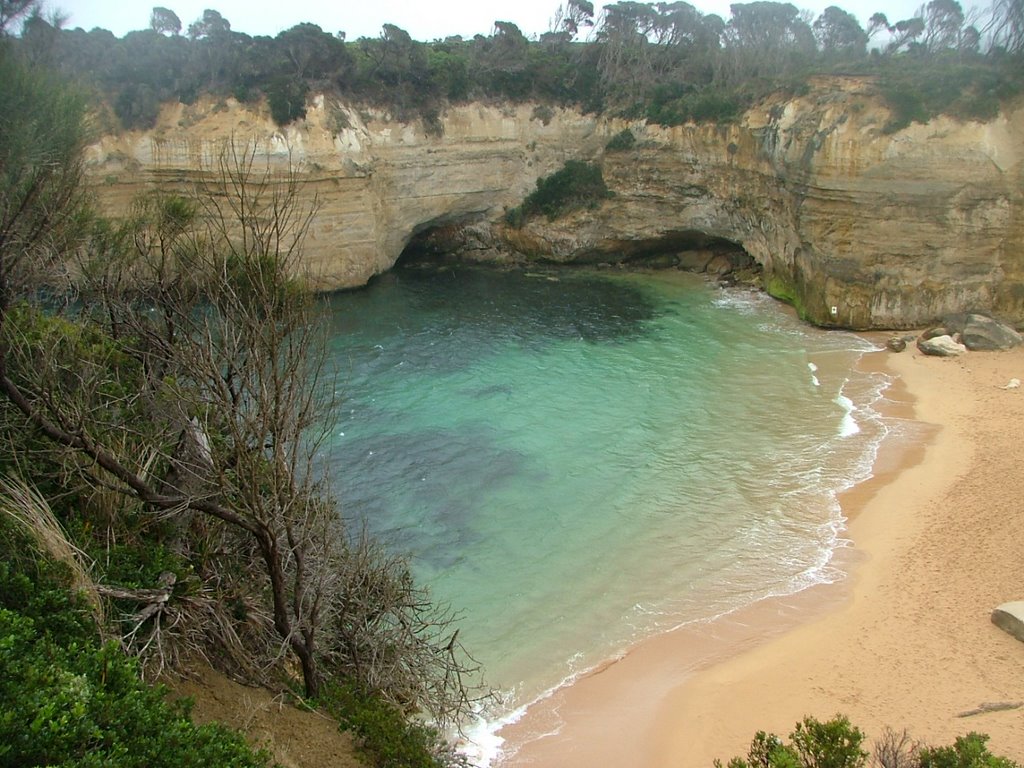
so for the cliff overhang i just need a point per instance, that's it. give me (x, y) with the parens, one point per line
(856, 227)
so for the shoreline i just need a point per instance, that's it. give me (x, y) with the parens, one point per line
(904, 641)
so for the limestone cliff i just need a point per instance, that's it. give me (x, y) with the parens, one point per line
(858, 228)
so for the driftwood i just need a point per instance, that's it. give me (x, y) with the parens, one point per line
(153, 601)
(991, 706)
(159, 595)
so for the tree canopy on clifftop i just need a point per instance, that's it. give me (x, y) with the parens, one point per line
(666, 62)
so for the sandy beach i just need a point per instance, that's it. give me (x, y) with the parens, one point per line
(905, 641)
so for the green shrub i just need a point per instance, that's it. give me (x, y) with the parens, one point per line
(287, 99)
(838, 744)
(66, 700)
(542, 112)
(832, 744)
(919, 89)
(36, 589)
(970, 751)
(621, 141)
(386, 736)
(577, 185)
(814, 744)
(676, 106)
(81, 705)
(137, 107)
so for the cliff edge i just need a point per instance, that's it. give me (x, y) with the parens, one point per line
(856, 227)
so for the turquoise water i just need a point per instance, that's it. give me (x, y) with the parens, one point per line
(576, 460)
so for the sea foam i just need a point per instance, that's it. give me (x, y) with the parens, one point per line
(673, 468)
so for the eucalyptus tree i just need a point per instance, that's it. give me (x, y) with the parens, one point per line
(1006, 25)
(767, 39)
(572, 18)
(625, 65)
(904, 34)
(502, 61)
(11, 11)
(839, 35)
(164, 21)
(943, 24)
(311, 53)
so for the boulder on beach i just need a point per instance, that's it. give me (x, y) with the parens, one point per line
(978, 331)
(941, 346)
(896, 343)
(938, 330)
(1009, 617)
(981, 332)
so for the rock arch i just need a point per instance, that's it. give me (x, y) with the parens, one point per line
(892, 231)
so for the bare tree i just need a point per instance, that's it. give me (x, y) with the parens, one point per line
(1006, 26)
(13, 10)
(896, 750)
(217, 356)
(571, 17)
(182, 388)
(943, 22)
(191, 380)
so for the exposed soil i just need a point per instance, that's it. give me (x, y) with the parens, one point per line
(296, 738)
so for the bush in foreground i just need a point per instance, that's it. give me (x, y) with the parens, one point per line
(68, 700)
(838, 744)
(386, 737)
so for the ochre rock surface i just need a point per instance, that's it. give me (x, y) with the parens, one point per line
(859, 228)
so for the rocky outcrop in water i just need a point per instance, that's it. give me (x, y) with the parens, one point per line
(855, 227)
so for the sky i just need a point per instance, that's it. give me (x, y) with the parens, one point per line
(422, 19)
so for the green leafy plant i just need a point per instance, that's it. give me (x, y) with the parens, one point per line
(385, 735)
(68, 700)
(830, 744)
(621, 141)
(542, 112)
(287, 100)
(836, 743)
(577, 185)
(918, 89)
(970, 751)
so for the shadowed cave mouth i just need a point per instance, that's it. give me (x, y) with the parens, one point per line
(688, 250)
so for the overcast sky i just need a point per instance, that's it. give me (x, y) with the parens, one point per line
(423, 19)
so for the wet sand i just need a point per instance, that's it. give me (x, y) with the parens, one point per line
(906, 641)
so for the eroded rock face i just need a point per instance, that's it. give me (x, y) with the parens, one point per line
(857, 228)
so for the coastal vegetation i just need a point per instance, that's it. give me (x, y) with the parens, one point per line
(163, 391)
(67, 698)
(667, 63)
(574, 186)
(162, 377)
(836, 743)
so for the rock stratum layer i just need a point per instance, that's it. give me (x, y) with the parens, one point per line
(856, 227)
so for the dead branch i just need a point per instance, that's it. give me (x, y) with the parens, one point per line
(991, 706)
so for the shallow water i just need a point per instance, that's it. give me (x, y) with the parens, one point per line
(576, 460)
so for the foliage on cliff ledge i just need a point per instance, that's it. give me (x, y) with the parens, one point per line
(945, 84)
(575, 186)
